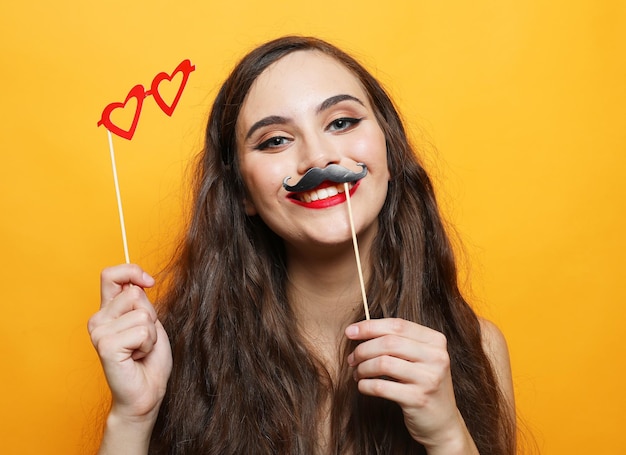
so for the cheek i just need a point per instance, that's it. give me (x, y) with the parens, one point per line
(372, 148)
(263, 179)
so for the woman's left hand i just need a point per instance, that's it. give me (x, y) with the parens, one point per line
(408, 363)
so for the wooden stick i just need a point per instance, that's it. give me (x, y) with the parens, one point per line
(119, 199)
(356, 252)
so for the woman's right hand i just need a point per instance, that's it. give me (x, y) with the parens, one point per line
(132, 345)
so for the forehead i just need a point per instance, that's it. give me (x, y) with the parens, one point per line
(297, 82)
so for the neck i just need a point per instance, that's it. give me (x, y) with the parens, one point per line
(324, 291)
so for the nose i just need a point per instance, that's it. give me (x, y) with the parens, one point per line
(317, 150)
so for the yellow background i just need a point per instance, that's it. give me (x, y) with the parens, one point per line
(520, 108)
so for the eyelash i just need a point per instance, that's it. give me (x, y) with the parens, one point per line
(349, 121)
(335, 125)
(271, 143)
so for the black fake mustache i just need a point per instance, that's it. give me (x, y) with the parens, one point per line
(333, 172)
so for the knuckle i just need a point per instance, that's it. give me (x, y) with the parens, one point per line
(379, 387)
(397, 325)
(444, 360)
(93, 322)
(135, 293)
(390, 343)
(95, 340)
(104, 345)
(143, 316)
(384, 364)
(440, 339)
(432, 383)
(419, 400)
(143, 332)
(135, 270)
(105, 274)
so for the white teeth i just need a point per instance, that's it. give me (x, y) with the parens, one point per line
(323, 193)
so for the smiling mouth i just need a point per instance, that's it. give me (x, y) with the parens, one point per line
(325, 191)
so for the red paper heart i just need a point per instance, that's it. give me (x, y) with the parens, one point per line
(137, 92)
(186, 68)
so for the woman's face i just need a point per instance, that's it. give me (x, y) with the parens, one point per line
(307, 110)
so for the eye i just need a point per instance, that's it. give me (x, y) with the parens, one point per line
(343, 124)
(273, 142)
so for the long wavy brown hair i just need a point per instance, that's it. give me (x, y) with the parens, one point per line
(244, 380)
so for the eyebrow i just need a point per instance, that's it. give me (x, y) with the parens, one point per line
(330, 102)
(267, 121)
(279, 120)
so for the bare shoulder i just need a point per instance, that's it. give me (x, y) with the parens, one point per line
(496, 348)
(493, 339)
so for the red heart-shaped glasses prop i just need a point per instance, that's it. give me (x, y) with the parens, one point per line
(138, 92)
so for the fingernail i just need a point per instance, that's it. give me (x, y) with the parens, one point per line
(352, 331)
(147, 278)
(351, 359)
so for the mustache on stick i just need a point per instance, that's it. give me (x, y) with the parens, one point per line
(333, 172)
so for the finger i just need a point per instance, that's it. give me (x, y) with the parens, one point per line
(384, 388)
(117, 347)
(368, 329)
(113, 280)
(391, 345)
(406, 394)
(388, 367)
(159, 336)
(134, 318)
(163, 354)
(132, 298)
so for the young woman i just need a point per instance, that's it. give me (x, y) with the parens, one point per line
(260, 345)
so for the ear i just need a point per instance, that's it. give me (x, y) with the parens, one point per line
(249, 207)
